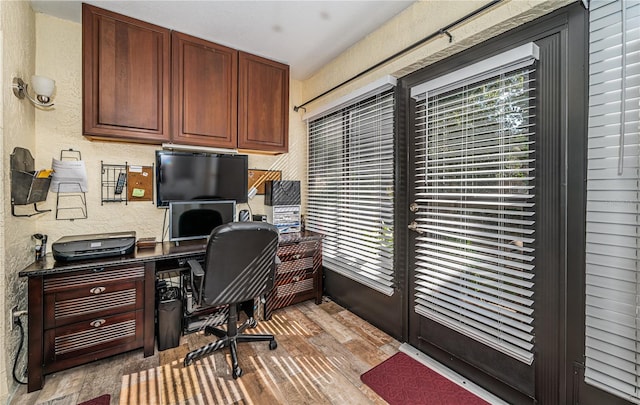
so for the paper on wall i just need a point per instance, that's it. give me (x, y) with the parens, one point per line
(69, 176)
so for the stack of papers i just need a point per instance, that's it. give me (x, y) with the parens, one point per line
(69, 176)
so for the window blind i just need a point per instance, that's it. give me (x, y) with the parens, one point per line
(475, 184)
(612, 324)
(351, 189)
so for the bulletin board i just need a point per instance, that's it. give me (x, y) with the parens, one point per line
(258, 177)
(140, 183)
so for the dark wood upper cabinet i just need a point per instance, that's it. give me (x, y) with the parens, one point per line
(263, 104)
(204, 92)
(143, 83)
(126, 77)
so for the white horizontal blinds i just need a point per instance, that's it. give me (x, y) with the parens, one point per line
(351, 190)
(612, 324)
(475, 153)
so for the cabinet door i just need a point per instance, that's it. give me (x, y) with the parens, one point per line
(204, 92)
(125, 77)
(263, 104)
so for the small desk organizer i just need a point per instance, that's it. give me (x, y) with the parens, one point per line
(26, 187)
(71, 201)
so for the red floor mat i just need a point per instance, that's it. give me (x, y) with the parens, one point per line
(101, 400)
(401, 380)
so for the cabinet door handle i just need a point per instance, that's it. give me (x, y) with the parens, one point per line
(296, 278)
(97, 323)
(297, 256)
(97, 290)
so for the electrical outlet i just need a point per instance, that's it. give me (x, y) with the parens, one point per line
(15, 314)
(12, 316)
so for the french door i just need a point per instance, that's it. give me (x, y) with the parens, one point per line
(487, 220)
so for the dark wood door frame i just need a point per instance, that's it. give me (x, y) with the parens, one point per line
(564, 32)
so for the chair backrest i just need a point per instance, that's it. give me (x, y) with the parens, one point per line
(240, 262)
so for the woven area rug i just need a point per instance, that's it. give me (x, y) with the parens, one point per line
(401, 380)
(101, 400)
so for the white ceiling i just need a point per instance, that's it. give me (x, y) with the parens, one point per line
(303, 34)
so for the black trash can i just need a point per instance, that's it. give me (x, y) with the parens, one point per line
(169, 323)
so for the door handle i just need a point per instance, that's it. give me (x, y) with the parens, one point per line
(414, 227)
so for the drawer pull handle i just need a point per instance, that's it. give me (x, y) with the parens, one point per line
(97, 290)
(98, 269)
(97, 323)
(297, 256)
(296, 278)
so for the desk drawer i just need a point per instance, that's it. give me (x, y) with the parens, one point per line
(294, 266)
(290, 293)
(92, 278)
(298, 250)
(297, 285)
(102, 299)
(80, 296)
(89, 338)
(293, 276)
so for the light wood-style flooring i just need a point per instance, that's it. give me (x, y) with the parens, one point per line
(322, 351)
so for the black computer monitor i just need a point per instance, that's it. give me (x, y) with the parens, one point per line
(183, 176)
(196, 219)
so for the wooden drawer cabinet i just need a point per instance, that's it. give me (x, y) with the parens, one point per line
(299, 275)
(84, 315)
(90, 313)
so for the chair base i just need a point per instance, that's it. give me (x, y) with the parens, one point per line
(230, 339)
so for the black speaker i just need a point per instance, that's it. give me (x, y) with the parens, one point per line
(281, 192)
(243, 216)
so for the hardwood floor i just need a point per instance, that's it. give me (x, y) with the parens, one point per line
(322, 351)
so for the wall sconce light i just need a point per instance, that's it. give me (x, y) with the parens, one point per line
(42, 87)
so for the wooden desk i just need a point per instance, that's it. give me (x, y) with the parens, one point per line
(87, 310)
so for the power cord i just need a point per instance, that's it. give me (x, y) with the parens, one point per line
(15, 361)
(165, 226)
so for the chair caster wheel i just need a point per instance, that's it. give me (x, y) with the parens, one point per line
(272, 345)
(252, 323)
(237, 372)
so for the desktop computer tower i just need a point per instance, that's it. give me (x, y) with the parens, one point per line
(169, 318)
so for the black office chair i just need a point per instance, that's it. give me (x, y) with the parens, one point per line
(240, 266)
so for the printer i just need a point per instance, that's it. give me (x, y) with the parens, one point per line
(94, 246)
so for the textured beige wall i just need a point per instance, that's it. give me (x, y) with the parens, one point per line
(59, 56)
(54, 49)
(17, 31)
(412, 25)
